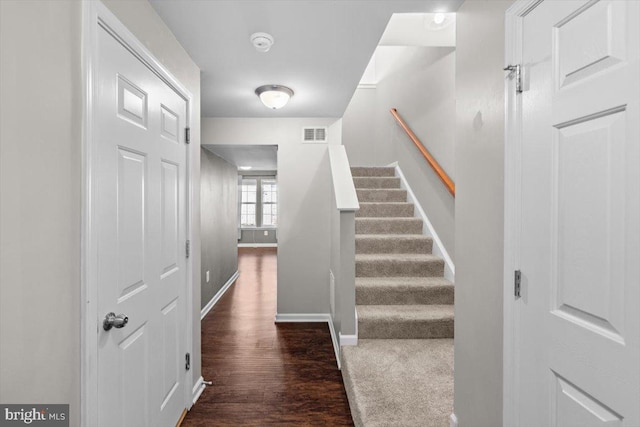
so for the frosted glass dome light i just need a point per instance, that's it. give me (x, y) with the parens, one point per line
(274, 96)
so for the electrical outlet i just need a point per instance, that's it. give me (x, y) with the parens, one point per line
(266, 233)
(207, 276)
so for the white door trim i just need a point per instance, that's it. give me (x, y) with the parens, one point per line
(95, 16)
(512, 209)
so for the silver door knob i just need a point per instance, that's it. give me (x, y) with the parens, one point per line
(113, 321)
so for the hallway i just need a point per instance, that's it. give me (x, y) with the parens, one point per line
(263, 373)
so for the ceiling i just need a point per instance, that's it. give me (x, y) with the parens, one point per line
(259, 157)
(403, 31)
(321, 49)
(419, 29)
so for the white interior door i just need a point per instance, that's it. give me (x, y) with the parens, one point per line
(140, 201)
(577, 345)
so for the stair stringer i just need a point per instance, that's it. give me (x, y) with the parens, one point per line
(427, 227)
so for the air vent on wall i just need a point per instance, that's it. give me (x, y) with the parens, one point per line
(314, 135)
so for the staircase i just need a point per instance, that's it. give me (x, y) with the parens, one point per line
(401, 372)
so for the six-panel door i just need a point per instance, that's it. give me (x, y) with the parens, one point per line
(141, 210)
(578, 344)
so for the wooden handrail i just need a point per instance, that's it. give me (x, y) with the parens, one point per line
(425, 153)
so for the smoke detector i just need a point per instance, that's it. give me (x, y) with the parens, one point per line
(261, 41)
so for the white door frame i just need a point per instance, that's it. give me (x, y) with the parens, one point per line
(512, 209)
(95, 16)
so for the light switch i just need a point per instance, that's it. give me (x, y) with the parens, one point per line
(266, 233)
(207, 276)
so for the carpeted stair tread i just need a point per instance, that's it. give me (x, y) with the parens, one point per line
(405, 321)
(381, 195)
(360, 171)
(385, 209)
(396, 265)
(403, 290)
(412, 385)
(376, 182)
(391, 225)
(401, 371)
(393, 243)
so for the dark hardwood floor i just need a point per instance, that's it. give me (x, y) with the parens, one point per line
(265, 374)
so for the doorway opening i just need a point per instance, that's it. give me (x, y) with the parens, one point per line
(257, 191)
(239, 208)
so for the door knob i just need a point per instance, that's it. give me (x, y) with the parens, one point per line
(113, 321)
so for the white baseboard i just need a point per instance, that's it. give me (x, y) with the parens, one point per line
(257, 245)
(197, 390)
(348, 339)
(335, 342)
(427, 228)
(453, 420)
(207, 308)
(302, 317)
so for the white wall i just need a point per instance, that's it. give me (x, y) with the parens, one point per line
(40, 190)
(360, 133)
(304, 204)
(420, 83)
(40, 178)
(479, 154)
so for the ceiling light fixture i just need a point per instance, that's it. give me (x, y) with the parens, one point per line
(274, 96)
(244, 168)
(262, 41)
(438, 18)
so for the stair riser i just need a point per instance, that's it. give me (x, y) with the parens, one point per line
(404, 329)
(386, 195)
(383, 210)
(376, 182)
(393, 246)
(388, 226)
(364, 171)
(395, 295)
(399, 268)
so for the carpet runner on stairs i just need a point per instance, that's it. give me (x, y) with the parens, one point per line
(401, 372)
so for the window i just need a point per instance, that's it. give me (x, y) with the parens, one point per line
(258, 202)
(248, 189)
(269, 203)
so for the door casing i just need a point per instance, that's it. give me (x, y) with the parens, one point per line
(512, 208)
(95, 15)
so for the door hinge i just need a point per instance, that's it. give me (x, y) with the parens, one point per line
(187, 135)
(187, 248)
(517, 280)
(517, 70)
(187, 361)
